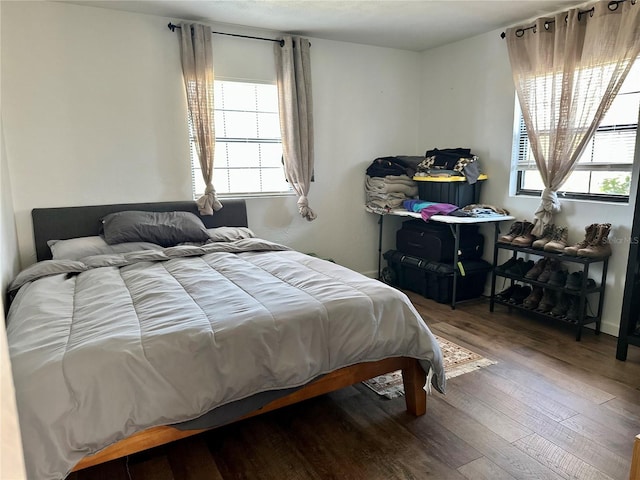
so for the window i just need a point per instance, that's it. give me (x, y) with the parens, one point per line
(248, 153)
(603, 172)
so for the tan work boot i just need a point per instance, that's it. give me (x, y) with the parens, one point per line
(559, 242)
(590, 233)
(525, 238)
(599, 246)
(547, 236)
(514, 231)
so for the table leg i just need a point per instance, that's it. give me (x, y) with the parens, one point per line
(493, 267)
(380, 247)
(456, 246)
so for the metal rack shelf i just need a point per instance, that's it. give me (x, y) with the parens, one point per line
(581, 294)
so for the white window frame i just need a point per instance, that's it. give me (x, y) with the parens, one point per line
(522, 157)
(196, 172)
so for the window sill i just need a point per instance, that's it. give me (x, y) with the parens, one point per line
(622, 201)
(228, 196)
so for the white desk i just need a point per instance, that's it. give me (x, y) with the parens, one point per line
(454, 224)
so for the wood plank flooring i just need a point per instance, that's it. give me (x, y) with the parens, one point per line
(551, 408)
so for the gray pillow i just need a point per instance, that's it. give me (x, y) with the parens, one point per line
(77, 248)
(164, 228)
(229, 234)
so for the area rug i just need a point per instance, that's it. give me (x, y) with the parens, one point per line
(457, 360)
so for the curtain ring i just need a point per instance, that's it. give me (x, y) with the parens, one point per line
(612, 6)
(546, 25)
(519, 32)
(535, 29)
(590, 12)
(566, 18)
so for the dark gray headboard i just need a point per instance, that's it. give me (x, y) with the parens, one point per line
(69, 222)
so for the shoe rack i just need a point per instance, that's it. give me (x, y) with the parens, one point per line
(580, 295)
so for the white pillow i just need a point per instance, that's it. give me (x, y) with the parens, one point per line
(80, 247)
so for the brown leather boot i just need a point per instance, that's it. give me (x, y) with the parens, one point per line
(525, 239)
(599, 246)
(552, 265)
(590, 233)
(533, 300)
(537, 269)
(514, 231)
(559, 242)
(547, 236)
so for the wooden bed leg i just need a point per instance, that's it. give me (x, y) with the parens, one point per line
(413, 378)
(635, 460)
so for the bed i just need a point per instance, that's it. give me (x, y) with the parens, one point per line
(120, 352)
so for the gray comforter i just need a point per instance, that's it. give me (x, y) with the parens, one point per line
(114, 344)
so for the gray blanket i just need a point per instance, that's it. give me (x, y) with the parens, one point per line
(114, 344)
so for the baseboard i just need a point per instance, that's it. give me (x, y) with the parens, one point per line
(370, 274)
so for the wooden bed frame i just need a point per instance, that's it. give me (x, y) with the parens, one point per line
(70, 222)
(634, 474)
(413, 377)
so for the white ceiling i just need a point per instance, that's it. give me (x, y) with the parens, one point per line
(405, 24)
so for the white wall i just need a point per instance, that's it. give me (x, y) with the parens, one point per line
(11, 459)
(468, 101)
(95, 113)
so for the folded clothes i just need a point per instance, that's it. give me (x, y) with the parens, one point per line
(460, 213)
(381, 185)
(385, 202)
(416, 205)
(483, 213)
(398, 179)
(384, 196)
(474, 206)
(384, 166)
(437, 209)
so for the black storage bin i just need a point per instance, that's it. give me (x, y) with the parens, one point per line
(434, 280)
(435, 241)
(454, 190)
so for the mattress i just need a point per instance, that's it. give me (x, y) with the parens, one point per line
(111, 345)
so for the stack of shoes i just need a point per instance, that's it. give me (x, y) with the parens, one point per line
(547, 236)
(552, 265)
(537, 269)
(533, 300)
(519, 234)
(558, 241)
(599, 247)
(575, 279)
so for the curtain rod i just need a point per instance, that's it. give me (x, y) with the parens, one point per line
(173, 27)
(612, 5)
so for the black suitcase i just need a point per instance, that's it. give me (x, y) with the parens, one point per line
(435, 242)
(434, 280)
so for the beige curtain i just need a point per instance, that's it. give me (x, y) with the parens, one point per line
(567, 70)
(197, 71)
(293, 70)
